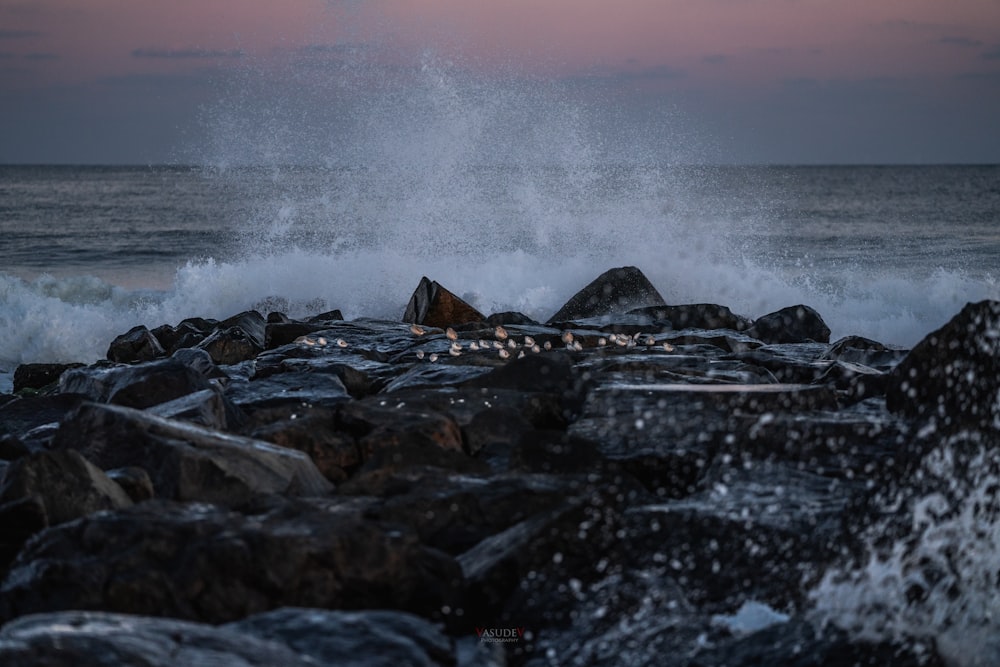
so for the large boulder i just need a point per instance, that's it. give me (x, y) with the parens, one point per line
(200, 562)
(614, 291)
(186, 461)
(37, 376)
(433, 305)
(135, 345)
(953, 374)
(794, 324)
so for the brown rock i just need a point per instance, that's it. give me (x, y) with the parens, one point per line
(434, 306)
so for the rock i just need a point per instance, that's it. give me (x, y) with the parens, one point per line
(434, 306)
(375, 638)
(794, 324)
(184, 335)
(695, 316)
(283, 333)
(277, 318)
(509, 319)
(12, 448)
(250, 322)
(953, 374)
(300, 388)
(312, 430)
(209, 408)
(97, 639)
(38, 376)
(20, 518)
(139, 386)
(135, 482)
(231, 346)
(20, 417)
(67, 485)
(185, 461)
(200, 562)
(614, 291)
(328, 316)
(134, 346)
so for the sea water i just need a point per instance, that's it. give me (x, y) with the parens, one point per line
(514, 198)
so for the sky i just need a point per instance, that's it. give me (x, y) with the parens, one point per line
(730, 81)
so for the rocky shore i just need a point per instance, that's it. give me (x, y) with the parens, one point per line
(630, 482)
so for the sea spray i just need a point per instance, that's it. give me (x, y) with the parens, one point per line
(929, 576)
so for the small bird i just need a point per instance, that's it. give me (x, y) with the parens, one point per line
(500, 333)
(601, 342)
(433, 358)
(504, 354)
(667, 347)
(451, 334)
(520, 355)
(535, 348)
(341, 342)
(455, 353)
(529, 341)
(548, 345)
(321, 341)
(567, 337)
(420, 354)
(474, 346)
(417, 330)
(511, 343)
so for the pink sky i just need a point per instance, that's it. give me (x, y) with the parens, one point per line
(704, 49)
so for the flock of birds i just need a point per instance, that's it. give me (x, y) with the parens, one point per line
(506, 345)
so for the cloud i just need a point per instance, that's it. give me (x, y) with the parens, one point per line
(186, 54)
(19, 34)
(992, 54)
(960, 41)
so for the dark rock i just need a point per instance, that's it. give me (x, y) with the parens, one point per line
(67, 485)
(953, 374)
(139, 386)
(97, 639)
(614, 291)
(376, 638)
(546, 373)
(696, 316)
(21, 416)
(509, 318)
(356, 382)
(434, 306)
(328, 316)
(208, 407)
(38, 376)
(12, 448)
(231, 346)
(283, 333)
(794, 324)
(314, 431)
(200, 562)
(134, 346)
(185, 461)
(20, 518)
(251, 322)
(444, 373)
(184, 335)
(135, 482)
(277, 318)
(300, 388)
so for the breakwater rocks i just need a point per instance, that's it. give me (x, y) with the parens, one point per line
(631, 482)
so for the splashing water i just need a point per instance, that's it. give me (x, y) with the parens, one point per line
(935, 585)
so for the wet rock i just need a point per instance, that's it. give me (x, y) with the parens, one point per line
(952, 374)
(96, 639)
(12, 448)
(185, 461)
(439, 374)
(38, 376)
(184, 335)
(20, 518)
(134, 481)
(21, 416)
(200, 562)
(696, 316)
(134, 346)
(509, 318)
(376, 638)
(614, 291)
(794, 324)
(277, 317)
(434, 306)
(65, 483)
(283, 333)
(864, 351)
(208, 407)
(299, 388)
(139, 386)
(328, 316)
(314, 431)
(231, 346)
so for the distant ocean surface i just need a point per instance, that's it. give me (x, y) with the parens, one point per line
(88, 252)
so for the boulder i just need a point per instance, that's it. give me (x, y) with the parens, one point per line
(696, 316)
(510, 318)
(37, 376)
(953, 374)
(200, 562)
(98, 639)
(184, 335)
(20, 518)
(185, 461)
(134, 346)
(67, 485)
(135, 482)
(434, 306)
(139, 386)
(373, 638)
(312, 430)
(614, 291)
(231, 346)
(328, 316)
(794, 324)
(208, 407)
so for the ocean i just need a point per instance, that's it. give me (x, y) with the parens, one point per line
(886, 252)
